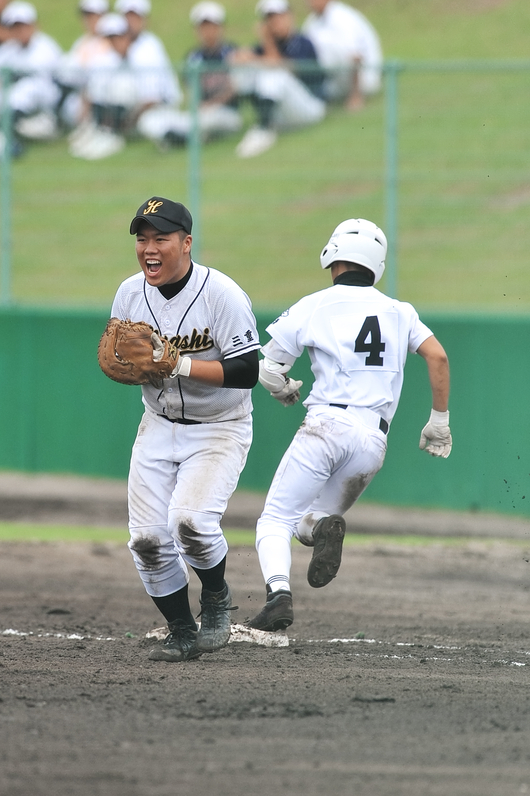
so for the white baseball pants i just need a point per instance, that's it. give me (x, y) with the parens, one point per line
(296, 105)
(213, 119)
(328, 465)
(181, 478)
(33, 93)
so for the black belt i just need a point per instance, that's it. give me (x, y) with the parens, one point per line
(183, 421)
(383, 425)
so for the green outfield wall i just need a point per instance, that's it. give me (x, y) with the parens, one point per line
(60, 414)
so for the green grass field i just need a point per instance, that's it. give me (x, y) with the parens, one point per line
(24, 533)
(463, 191)
(408, 28)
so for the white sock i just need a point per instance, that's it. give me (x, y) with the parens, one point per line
(279, 583)
(274, 553)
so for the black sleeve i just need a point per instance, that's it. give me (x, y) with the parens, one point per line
(241, 372)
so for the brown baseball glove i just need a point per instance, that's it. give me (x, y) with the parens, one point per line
(131, 352)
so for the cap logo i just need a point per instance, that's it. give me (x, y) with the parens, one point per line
(152, 207)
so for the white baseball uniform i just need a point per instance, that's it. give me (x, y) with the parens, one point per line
(143, 77)
(32, 66)
(297, 96)
(83, 52)
(357, 339)
(340, 34)
(214, 118)
(193, 440)
(160, 84)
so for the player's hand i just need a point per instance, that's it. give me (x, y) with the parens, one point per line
(290, 393)
(158, 347)
(436, 435)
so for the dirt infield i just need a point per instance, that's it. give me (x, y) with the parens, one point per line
(434, 700)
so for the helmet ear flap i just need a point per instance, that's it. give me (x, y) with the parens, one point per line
(328, 253)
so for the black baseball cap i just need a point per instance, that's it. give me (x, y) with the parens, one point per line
(162, 214)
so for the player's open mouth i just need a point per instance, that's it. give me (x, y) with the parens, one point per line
(153, 266)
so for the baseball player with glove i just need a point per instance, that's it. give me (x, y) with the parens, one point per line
(187, 334)
(357, 339)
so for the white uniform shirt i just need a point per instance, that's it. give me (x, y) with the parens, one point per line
(86, 50)
(41, 55)
(33, 67)
(340, 34)
(211, 318)
(357, 340)
(144, 76)
(147, 56)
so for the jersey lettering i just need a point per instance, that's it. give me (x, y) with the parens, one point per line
(195, 342)
(374, 348)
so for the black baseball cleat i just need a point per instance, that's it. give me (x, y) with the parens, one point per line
(328, 534)
(215, 619)
(179, 645)
(277, 613)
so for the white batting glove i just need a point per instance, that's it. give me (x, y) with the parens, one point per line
(436, 435)
(290, 392)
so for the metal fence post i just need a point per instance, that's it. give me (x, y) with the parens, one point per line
(392, 69)
(5, 190)
(194, 71)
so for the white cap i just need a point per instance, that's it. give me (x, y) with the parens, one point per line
(18, 11)
(112, 25)
(140, 7)
(265, 7)
(94, 6)
(208, 11)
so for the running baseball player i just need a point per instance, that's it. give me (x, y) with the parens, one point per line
(357, 339)
(196, 430)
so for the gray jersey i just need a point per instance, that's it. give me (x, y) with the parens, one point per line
(211, 319)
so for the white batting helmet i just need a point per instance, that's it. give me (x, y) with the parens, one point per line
(357, 240)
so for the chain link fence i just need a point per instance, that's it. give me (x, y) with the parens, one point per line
(439, 159)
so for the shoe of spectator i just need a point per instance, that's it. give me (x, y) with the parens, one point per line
(171, 140)
(255, 141)
(40, 127)
(83, 130)
(100, 144)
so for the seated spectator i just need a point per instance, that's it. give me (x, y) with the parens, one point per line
(147, 52)
(218, 113)
(276, 75)
(73, 69)
(121, 86)
(349, 48)
(31, 57)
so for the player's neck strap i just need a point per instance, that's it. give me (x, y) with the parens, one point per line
(358, 278)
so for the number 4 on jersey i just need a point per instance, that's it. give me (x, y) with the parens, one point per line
(370, 329)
